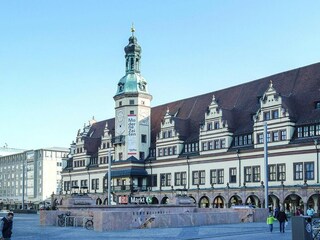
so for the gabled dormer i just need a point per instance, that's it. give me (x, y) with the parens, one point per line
(275, 110)
(215, 135)
(80, 141)
(169, 143)
(106, 146)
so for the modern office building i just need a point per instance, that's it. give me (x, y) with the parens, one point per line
(38, 172)
(210, 147)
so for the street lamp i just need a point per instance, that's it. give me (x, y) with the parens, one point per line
(23, 183)
(239, 160)
(188, 172)
(151, 175)
(316, 145)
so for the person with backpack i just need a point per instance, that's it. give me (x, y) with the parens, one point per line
(6, 227)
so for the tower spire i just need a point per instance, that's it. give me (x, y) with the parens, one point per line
(132, 29)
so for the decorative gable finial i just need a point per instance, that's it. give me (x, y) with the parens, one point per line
(270, 84)
(92, 121)
(214, 100)
(167, 112)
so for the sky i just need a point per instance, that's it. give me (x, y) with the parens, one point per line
(60, 61)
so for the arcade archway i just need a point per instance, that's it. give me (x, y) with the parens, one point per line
(218, 202)
(204, 202)
(291, 202)
(234, 200)
(165, 200)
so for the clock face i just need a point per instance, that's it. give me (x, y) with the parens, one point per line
(120, 122)
(120, 116)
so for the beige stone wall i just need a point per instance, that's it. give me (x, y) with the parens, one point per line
(132, 217)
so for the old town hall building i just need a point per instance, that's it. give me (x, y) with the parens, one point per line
(209, 147)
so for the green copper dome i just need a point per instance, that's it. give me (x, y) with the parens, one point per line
(132, 82)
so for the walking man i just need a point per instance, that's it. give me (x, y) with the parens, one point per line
(282, 218)
(6, 227)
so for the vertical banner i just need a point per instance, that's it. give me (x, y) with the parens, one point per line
(132, 134)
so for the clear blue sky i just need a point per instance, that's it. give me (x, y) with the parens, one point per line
(60, 61)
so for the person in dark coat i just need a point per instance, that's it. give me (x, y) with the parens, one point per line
(282, 218)
(6, 227)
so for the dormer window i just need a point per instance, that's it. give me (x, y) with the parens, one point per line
(266, 116)
(164, 134)
(216, 125)
(275, 114)
(317, 105)
(306, 131)
(209, 126)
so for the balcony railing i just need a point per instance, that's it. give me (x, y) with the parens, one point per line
(118, 140)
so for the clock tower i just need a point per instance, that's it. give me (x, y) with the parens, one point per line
(132, 108)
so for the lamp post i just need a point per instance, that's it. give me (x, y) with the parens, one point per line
(23, 183)
(109, 178)
(188, 172)
(239, 160)
(266, 164)
(70, 181)
(316, 145)
(151, 175)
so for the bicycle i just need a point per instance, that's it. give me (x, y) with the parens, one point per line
(316, 229)
(64, 220)
(89, 223)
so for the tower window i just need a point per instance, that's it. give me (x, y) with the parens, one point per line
(120, 103)
(131, 102)
(131, 112)
(131, 64)
(143, 138)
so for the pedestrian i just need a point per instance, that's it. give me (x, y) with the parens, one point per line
(282, 218)
(6, 227)
(270, 221)
(310, 211)
(298, 212)
(276, 212)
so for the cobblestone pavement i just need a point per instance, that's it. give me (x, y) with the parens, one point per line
(26, 226)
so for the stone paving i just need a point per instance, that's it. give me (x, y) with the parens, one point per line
(26, 226)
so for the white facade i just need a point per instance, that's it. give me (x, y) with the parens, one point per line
(42, 175)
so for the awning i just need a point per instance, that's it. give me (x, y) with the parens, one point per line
(127, 173)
